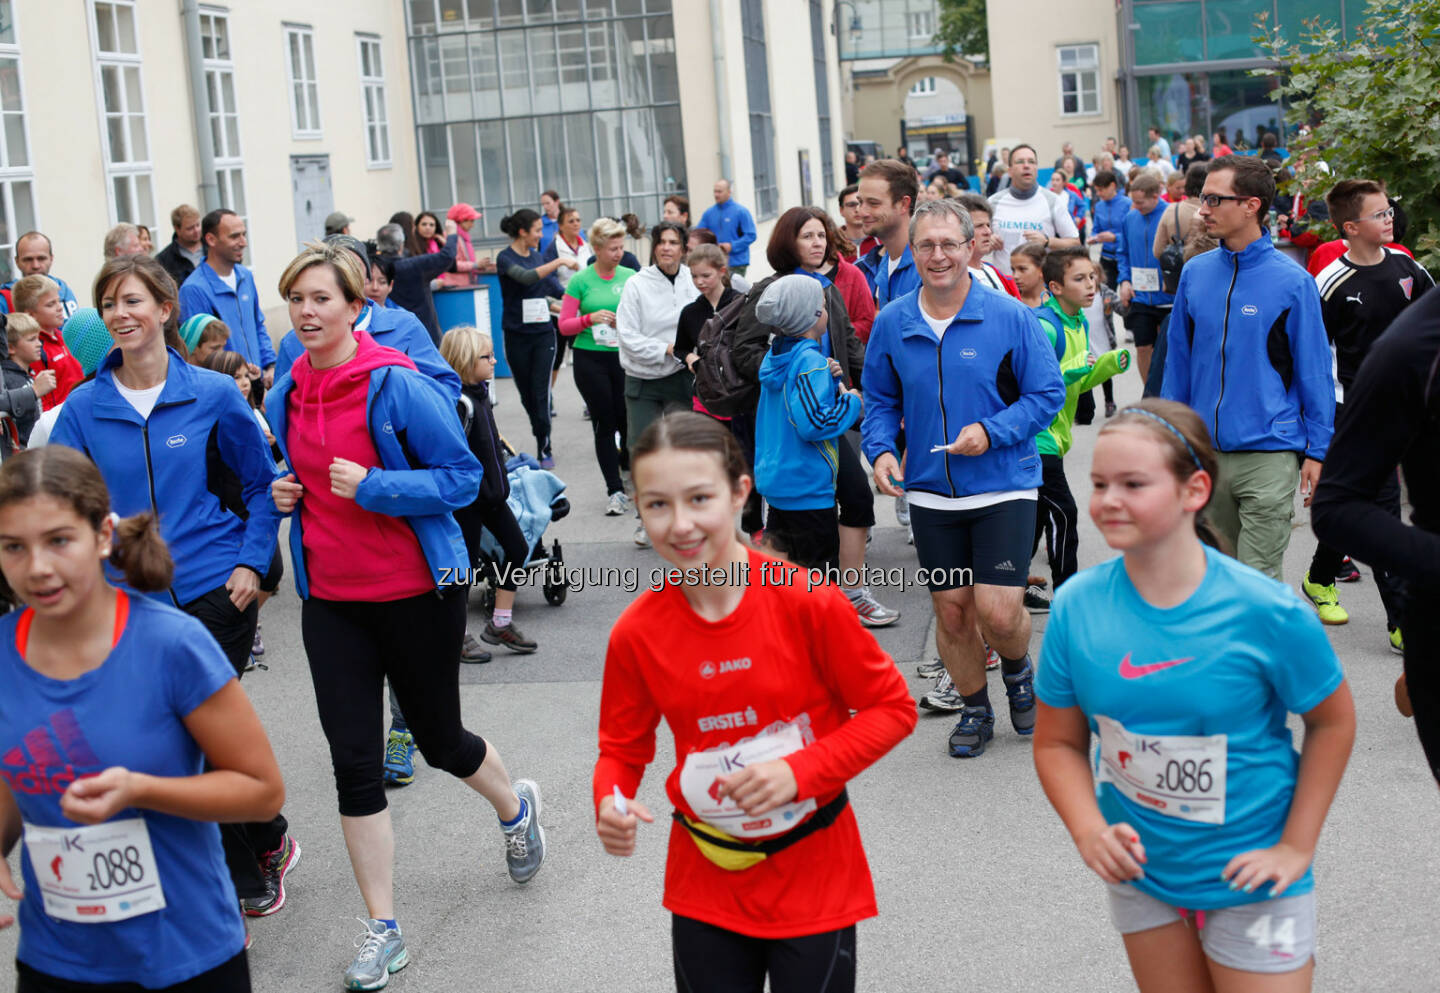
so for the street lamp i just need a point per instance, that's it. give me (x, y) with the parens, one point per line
(856, 27)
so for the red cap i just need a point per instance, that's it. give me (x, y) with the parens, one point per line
(462, 212)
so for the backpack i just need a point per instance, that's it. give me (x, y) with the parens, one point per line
(1047, 315)
(718, 385)
(1172, 259)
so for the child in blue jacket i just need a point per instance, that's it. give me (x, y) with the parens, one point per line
(801, 414)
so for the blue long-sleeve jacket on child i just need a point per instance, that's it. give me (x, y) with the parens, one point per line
(800, 416)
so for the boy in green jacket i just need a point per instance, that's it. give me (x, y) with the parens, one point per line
(1070, 276)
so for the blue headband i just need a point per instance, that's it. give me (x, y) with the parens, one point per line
(1171, 428)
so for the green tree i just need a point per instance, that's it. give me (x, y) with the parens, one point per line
(962, 29)
(1372, 106)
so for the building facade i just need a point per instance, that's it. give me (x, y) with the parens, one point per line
(306, 110)
(617, 104)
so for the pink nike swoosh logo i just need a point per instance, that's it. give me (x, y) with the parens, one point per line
(1131, 671)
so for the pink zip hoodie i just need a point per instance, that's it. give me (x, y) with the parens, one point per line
(350, 553)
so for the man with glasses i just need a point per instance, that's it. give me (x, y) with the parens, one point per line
(1026, 211)
(972, 376)
(1247, 350)
(852, 227)
(1361, 293)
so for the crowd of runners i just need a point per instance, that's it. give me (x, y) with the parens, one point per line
(934, 350)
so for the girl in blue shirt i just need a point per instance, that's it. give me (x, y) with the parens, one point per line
(123, 877)
(1196, 808)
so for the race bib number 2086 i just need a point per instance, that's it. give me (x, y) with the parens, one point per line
(1181, 776)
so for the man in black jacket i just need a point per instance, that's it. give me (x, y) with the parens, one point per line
(185, 251)
(413, 273)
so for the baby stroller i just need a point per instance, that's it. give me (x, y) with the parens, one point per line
(537, 497)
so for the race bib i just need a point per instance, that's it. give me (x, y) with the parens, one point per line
(605, 334)
(535, 310)
(96, 874)
(1145, 280)
(700, 785)
(1176, 775)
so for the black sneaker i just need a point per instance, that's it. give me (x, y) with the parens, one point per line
(471, 653)
(1020, 688)
(274, 866)
(1110, 408)
(509, 636)
(976, 726)
(1037, 601)
(1347, 573)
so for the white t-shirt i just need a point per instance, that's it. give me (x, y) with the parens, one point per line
(142, 400)
(985, 277)
(1044, 211)
(895, 264)
(40, 433)
(937, 324)
(230, 280)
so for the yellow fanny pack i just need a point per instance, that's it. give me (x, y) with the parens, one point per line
(735, 855)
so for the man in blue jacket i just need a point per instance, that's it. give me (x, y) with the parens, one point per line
(1139, 270)
(733, 226)
(888, 191)
(222, 286)
(973, 377)
(1109, 209)
(1248, 352)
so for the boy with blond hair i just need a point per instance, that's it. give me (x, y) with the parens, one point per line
(39, 297)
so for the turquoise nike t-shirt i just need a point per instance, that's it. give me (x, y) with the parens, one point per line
(1187, 708)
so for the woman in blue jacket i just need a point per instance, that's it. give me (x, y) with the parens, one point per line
(379, 465)
(163, 432)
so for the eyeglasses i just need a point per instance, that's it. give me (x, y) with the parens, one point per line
(1213, 200)
(1380, 215)
(928, 248)
(488, 355)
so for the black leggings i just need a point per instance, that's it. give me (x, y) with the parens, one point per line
(499, 520)
(710, 959)
(352, 647)
(230, 976)
(530, 355)
(562, 342)
(234, 631)
(1057, 517)
(742, 426)
(601, 382)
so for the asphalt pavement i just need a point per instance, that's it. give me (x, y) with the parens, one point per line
(979, 886)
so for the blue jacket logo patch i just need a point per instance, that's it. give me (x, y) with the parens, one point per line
(175, 441)
(387, 428)
(968, 353)
(1249, 310)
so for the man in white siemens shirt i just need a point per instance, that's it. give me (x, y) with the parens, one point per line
(1024, 211)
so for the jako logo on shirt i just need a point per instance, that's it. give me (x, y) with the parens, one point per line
(175, 441)
(50, 757)
(1249, 310)
(708, 669)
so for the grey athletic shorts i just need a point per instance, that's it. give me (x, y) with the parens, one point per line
(1268, 936)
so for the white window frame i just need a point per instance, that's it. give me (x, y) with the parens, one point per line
(372, 94)
(230, 166)
(920, 25)
(923, 87)
(10, 175)
(133, 171)
(301, 37)
(1086, 59)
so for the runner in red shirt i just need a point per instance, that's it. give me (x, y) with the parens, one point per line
(756, 675)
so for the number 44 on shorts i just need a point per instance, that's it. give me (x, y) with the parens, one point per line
(1280, 939)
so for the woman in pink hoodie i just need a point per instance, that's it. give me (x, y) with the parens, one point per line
(464, 216)
(379, 464)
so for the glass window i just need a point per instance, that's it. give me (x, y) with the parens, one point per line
(923, 87)
(1168, 32)
(1230, 25)
(1240, 103)
(822, 96)
(7, 22)
(118, 68)
(1079, 79)
(762, 125)
(303, 83)
(518, 96)
(17, 189)
(1176, 104)
(920, 24)
(372, 96)
(224, 112)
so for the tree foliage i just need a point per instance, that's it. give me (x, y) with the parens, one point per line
(1371, 103)
(962, 29)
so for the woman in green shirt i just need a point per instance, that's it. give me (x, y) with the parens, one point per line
(588, 313)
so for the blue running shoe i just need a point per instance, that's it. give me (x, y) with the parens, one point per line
(400, 758)
(976, 726)
(1020, 688)
(525, 841)
(382, 951)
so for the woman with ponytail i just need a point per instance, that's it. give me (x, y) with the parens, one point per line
(1196, 808)
(166, 436)
(122, 871)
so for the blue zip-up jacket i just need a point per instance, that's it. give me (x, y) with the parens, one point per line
(799, 417)
(204, 292)
(408, 418)
(67, 296)
(887, 285)
(395, 328)
(1247, 350)
(1135, 250)
(994, 366)
(163, 464)
(1110, 216)
(733, 223)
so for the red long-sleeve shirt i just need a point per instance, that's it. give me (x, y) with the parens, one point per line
(785, 655)
(859, 298)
